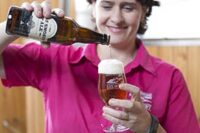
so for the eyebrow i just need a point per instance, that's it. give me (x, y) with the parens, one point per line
(123, 3)
(129, 3)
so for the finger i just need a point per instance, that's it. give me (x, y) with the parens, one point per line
(37, 9)
(128, 87)
(115, 120)
(46, 6)
(27, 6)
(134, 90)
(128, 105)
(116, 113)
(59, 12)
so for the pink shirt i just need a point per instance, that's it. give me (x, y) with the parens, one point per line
(67, 76)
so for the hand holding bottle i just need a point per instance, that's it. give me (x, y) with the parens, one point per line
(40, 10)
(43, 10)
(38, 22)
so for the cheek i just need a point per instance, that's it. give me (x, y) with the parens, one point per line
(100, 17)
(134, 22)
(101, 21)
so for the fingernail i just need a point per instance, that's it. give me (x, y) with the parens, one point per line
(111, 101)
(29, 8)
(103, 108)
(103, 114)
(61, 12)
(46, 14)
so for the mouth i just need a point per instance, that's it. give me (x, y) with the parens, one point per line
(116, 29)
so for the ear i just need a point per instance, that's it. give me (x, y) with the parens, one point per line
(144, 12)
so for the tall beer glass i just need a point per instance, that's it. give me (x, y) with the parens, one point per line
(111, 74)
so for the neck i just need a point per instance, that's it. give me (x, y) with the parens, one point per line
(124, 54)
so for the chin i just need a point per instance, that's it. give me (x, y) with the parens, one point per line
(116, 41)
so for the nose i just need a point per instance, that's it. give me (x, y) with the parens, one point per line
(117, 16)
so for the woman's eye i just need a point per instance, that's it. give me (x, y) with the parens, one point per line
(107, 7)
(128, 8)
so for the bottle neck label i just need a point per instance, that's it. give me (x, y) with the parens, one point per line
(42, 28)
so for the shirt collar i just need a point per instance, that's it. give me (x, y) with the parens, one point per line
(142, 59)
(88, 51)
(91, 54)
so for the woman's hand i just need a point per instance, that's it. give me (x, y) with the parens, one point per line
(42, 9)
(134, 116)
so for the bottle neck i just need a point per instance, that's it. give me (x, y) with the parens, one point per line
(89, 36)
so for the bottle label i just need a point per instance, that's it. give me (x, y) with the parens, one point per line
(42, 28)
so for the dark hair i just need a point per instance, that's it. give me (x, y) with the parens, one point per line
(147, 4)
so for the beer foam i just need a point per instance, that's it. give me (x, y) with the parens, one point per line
(110, 66)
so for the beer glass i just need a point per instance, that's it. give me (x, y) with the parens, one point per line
(111, 74)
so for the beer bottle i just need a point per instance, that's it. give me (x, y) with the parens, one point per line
(55, 29)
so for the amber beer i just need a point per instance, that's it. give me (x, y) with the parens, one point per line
(111, 74)
(61, 30)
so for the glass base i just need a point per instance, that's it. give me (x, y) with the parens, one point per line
(115, 128)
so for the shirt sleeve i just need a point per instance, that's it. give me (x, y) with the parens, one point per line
(180, 117)
(25, 65)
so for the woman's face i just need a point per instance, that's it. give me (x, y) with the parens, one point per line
(118, 18)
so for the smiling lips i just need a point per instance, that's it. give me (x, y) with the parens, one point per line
(115, 29)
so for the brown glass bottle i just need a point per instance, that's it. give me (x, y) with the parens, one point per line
(61, 30)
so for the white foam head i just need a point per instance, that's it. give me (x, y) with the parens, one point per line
(110, 66)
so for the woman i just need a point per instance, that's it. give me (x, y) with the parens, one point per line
(67, 76)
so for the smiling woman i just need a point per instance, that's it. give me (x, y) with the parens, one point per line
(186, 58)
